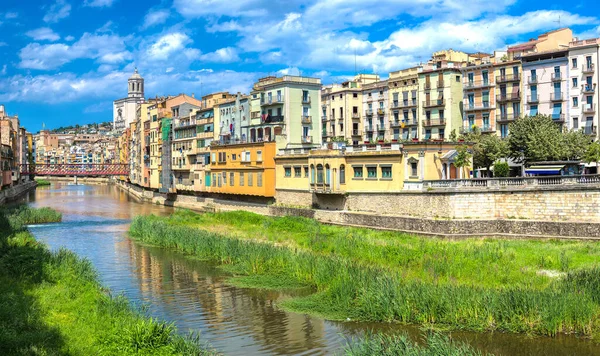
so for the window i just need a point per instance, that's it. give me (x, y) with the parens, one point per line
(355, 95)
(258, 156)
(574, 82)
(232, 179)
(233, 156)
(312, 174)
(241, 179)
(386, 172)
(297, 172)
(342, 174)
(574, 62)
(457, 79)
(250, 182)
(288, 171)
(533, 110)
(259, 179)
(575, 101)
(213, 157)
(413, 169)
(358, 171)
(305, 171)
(575, 123)
(371, 171)
(319, 174)
(503, 130)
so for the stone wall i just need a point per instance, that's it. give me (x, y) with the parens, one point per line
(14, 192)
(80, 180)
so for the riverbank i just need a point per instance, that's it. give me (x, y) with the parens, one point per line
(519, 286)
(53, 303)
(12, 193)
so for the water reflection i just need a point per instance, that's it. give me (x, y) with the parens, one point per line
(193, 294)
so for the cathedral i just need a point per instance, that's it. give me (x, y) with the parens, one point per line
(124, 109)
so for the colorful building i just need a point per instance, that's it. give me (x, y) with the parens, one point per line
(376, 114)
(509, 102)
(479, 89)
(582, 83)
(403, 90)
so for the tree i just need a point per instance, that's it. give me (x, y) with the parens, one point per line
(535, 138)
(592, 154)
(488, 150)
(463, 157)
(501, 169)
(575, 145)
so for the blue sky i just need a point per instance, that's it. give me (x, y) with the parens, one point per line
(64, 61)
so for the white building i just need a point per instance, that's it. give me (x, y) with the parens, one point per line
(124, 109)
(583, 81)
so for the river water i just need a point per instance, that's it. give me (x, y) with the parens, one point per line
(193, 295)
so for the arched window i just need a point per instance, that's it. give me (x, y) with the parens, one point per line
(342, 174)
(327, 175)
(312, 174)
(319, 174)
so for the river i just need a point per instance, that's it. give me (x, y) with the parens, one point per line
(193, 295)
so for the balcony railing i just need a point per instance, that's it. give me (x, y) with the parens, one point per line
(589, 108)
(355, 116)
(324, 118)
(506, 117)
(588, 69)
(478, 106)
(517, 182)
(427, 85)
(356, 133)
(533, 99)
(306, 119)
(588, 89)
(434, 122)
(371, 128)
(395, 123)
(272, 100)
(532, 79)
(590, 130)
(369, 112)
(558, 117)
(500, 98)
(440, 83)
(477, 84)
(306, 139)
(434, 103)
(556, 96)
(400, 104)
(380, 112)
(305, 99)
(556, 77)
(508, 78)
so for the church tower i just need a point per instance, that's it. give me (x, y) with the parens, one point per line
(136, 85)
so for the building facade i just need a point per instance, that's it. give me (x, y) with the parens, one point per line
(124, 110)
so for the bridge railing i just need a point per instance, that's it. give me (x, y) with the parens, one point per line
(92, 169)
(513, 182)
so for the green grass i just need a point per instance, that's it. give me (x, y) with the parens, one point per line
(52, 303)
(392, 345)
(42, 182)
(481, 285)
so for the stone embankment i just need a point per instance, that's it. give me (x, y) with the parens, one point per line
(12, 193)
(421, 225)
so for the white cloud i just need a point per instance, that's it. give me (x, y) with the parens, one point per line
(105, 48)
(43, 34)
(167, 45)
(155, 17)
(222, 55)
(3, 71)
(99, 3)
(98, 107)
(169, 70)
(57, 11)
(11, 15)
(107, 27)
(199, 8)
(289, 71)
(69, 38)
(2, 44)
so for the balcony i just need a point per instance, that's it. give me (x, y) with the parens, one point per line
(590, 130)
(556, 96)
(427, 85)
(356, 133)
(558, 118)
(369, 112)
(404, 103)
(588, 89)
(369, 98)
(508, 78)
(434, 122)
(506, 117)
(479, 106)
(306, 99)
(306, 139)
(477, 84)
(532, 80)
(355, 116)
(434, 103)
(380, 112)
(278, 100)
(588, 69)
(395, 123)
(273, 119)
(371, 128)
(502, 98)
(306, 120)
(533, 99)
(440, 83)
(589, 108)
(556, 77)
(324, 118)
(482, 129)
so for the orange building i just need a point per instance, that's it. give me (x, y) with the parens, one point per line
(243, 169)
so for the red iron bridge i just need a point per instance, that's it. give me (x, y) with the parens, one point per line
(77, 170)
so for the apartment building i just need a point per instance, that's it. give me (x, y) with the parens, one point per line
(479, 94)
(232, 113)
(509, 103)
(285, 106)
(582, 85)
(403, 89)
(441, 95)
(376, 112)
(183, 145)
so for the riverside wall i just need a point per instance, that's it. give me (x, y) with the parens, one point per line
(567, 214)
(12, 193)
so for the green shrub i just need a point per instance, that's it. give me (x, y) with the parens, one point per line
(501, 169)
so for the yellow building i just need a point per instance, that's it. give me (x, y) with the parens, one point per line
(365, 169)
(243, 169)
(403, 90)
(479, 94)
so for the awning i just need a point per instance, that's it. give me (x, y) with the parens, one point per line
(544, 170)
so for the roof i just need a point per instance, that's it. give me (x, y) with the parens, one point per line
(135, 75)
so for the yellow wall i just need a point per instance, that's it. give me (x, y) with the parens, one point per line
(228, 160)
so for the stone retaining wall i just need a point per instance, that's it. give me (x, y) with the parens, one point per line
(13, 193)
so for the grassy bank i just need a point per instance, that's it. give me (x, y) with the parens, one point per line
(52, 303)
(382, 345)
(42, 182)
(481, 285)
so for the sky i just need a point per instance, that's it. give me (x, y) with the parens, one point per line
(63, 62)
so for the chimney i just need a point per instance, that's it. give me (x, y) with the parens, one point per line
(193, 95)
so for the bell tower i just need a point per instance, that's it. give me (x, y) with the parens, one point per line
(136, 85)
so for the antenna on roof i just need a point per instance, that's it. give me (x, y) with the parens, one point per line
(558, 21)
